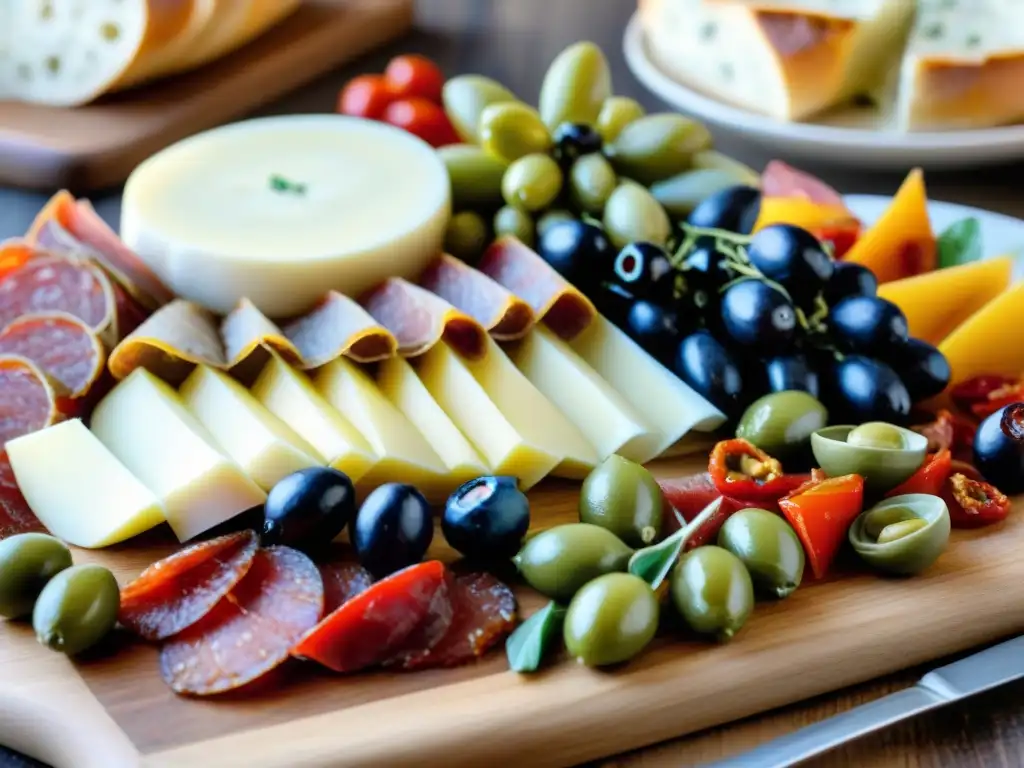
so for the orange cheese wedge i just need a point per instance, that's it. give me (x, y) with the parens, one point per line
(988, 342)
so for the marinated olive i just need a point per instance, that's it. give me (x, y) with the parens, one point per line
(646, 271)
(554, 216)
(782, 423)
(575, 140)
(573, 248)
(862, 389)
(790, 372)
(465, 98)
(849, 279)
(591, 182)
(997, 454)
(681, 194)
(757, 315)
(610, 620)
(623, 497)
(308, 508)
(876, 434)
(560, 560)
(870, 325)
(902, 535)
(392, 529)
(733, 209)
(793, 257)
(713, 592)
(486, 518)
(513, 221)
(654, 328)
(76, 609)
(769, 549)
(922, 368)
(632, 214)
(27, 562)
(881, 468)
(532, 182)
(712, 370)
(616, 113)
(466, 236)
(576, 86)
(475, 177)
(657, 147)
(511, 130)
(709, 159)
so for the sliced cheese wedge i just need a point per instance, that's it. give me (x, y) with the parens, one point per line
(404, 455)
(604, 417)
(667, 404)
(143, 422)
(78, 489)
(291, 396)
(265, 447)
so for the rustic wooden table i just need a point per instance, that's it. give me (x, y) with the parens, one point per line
(514, 41)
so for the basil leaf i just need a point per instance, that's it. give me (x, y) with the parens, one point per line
(527, 646)
(960, 243)
(653, 564)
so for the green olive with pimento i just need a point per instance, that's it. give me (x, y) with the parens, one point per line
(902, 535)
(883, 454)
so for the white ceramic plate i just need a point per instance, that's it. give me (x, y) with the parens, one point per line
(824, 143)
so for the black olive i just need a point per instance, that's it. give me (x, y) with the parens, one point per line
(308, 508)
(613, 301)
(862, 390)
(922, 368)
(644, 269)
(849, 279)
(392, 529)
(734, 209)
(653, 328)
(486, 519)
(704, 272)
(869, 325)
(756, 315)
(579, 252)
(792, 257)
(792, 372)
(573, 140)
(999, 456)
(710, 369)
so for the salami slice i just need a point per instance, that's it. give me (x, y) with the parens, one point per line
(28, 400)
(15, 514)
(419, 319)
(13, 254)
(553, 299)
(64, 348)
(342, 582)
(251, 630)
(176, 592)
(503, 314)
(484, 613)
(339, 326)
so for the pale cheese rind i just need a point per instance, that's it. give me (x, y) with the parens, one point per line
(78, 489)
(144, 423)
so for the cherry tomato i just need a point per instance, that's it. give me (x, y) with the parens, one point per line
(365, 96)
(413, 76)
(424, 119)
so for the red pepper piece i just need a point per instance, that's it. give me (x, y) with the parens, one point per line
(974, 503)
(742, 471)
(968, 393)
(821, 514)
(930, 478)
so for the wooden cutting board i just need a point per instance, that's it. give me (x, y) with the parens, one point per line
(98, 145)
(113, 710)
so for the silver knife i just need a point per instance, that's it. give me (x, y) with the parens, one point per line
(978, 673)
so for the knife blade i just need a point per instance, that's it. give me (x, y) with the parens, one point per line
(979, 672)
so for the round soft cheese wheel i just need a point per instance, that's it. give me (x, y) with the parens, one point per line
(279, 210)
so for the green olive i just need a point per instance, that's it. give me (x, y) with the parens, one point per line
(466, 236)
(27, 562)
(76, 609)
(633, 215)
(560, 560)
(553, 217)
(513, 221)
(876, 434)
(903, 535)
(680, 194)
(769, 549)
(475, 177)
(657, 147)
(576, 85)
(610, 620)
(623, 497)
(882, 468)
(591, 182)
(781, 423)
(465, 98)
(709, 159)
(512, 130)
(532, 183)
(616, 113)
(712, 590)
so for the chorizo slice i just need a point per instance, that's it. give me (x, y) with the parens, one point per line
(29, 401)
(15, 514)
(342, 582)
(63, 346)
(338, 326)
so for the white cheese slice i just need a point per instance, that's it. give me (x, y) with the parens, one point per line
(264, 447)
(78, 489)
(404, 455)
(657, 394)
(144, 424)
(280, 210)
(604, 417)
(291, 396)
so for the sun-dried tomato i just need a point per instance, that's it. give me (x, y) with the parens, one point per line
(1012, 422)
(974, 503)
(977, 390)
(949, 432)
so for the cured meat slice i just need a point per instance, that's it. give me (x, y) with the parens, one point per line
(561, 306)
(780, 179)
(342, 582)
(484, 613)
(176, 592)
(419, 319)
(64, 348)
(13, 254)
(28, 400)
(503, 314)
(251, 630)
(377, 623)
(15, 515)
(248, 338)
(339, 326)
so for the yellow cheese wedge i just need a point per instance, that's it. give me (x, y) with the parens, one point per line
(988, 342)
(144, 424)
(404, 455)
(604, 417)
(937, 302)
(264, 446)
(400, 384)
(499, 437)
(291, 396)
(667, 404)
(78, 489)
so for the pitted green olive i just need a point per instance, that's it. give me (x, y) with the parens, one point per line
(882, 468)
(657, 147)
(610, 620)
(781, 423)
(576, 86)
(560, 560)
(712, 590)
(710, 159)
(591, 182)
(27, 562)
(632, 215)
(680, 194)
(475, 177)
(511, 130)
(465, 98)
(466, 236)
(513, 221)
(616, 113)
(532, 183)
(876, 434)
(76, 609)
(768, 547)
(623, 497)
(902, 535)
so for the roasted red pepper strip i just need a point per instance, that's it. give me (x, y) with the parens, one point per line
(821, 514)
(974, 503)
(930, 478)
(741, 471)
(967, 394)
